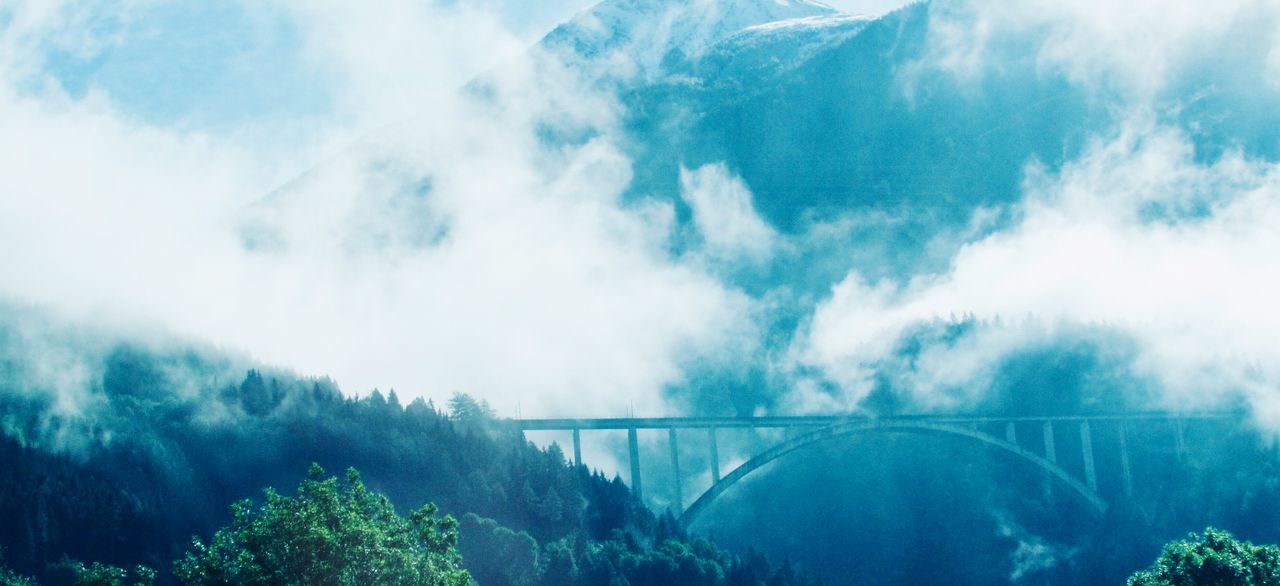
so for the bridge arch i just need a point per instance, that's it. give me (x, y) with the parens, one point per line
(1089, 496)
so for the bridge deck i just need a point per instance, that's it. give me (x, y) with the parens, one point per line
(562, 424)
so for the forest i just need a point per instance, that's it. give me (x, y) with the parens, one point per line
(134, 480)
(153, 444)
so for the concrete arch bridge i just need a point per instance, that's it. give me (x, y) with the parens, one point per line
(1032, 441)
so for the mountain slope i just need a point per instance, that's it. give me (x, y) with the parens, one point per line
(644, 34)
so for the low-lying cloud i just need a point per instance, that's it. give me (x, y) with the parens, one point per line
(1139, 234)
(1136, 50)
(454, 250)
(425, 233)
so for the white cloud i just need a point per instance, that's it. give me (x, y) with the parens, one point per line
(401, 57)
(451, 251)
(1136, 48)
(725, 216)
(1033, 553)
(1140, 232)
(1137, 233)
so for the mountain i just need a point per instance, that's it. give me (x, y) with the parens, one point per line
(813, 114)
(644, 35)
(827, 117)
(862, 155)
(857, 151)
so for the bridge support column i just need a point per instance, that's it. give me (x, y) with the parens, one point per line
(633, 445)
(1086, 450)
(1050, 453)
(675, 471)
(1126, 473)
(577, 447)
(1010, 433)
(715, 456)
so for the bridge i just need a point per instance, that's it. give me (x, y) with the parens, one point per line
(1027, 439)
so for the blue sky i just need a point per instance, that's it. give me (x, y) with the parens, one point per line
(207, 64)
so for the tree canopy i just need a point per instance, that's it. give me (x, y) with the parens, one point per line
(175, 460)
(1215, 558)
(328, 534)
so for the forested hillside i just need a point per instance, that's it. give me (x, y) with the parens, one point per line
(156, 451)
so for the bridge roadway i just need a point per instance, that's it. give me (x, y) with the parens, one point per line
(818, 428)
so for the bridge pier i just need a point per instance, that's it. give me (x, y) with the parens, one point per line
(1010, 433)
(577, 447)
(715, 456)
(1050, 453)
(1086, 449)
(1126, 473)
(675, 470)
(633, 446)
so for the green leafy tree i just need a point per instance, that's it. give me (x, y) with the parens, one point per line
(97, 574)
(69, 571)
(1216, 558)
(328, 534)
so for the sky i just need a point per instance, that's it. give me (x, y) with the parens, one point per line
(236, 172)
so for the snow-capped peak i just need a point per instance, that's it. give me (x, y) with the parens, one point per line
(634, 37)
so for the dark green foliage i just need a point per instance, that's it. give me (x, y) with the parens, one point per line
(171, 465)
(98, 574)
(1215, 558)
(10, 578)
(691, 561)
(327, 534)
(55, 506)
(508, 558)
(513, 559)
(72, 572)
(174, 437)
(559, 565)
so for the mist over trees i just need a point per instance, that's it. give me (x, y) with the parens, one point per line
(166, 437)
(162, 441)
